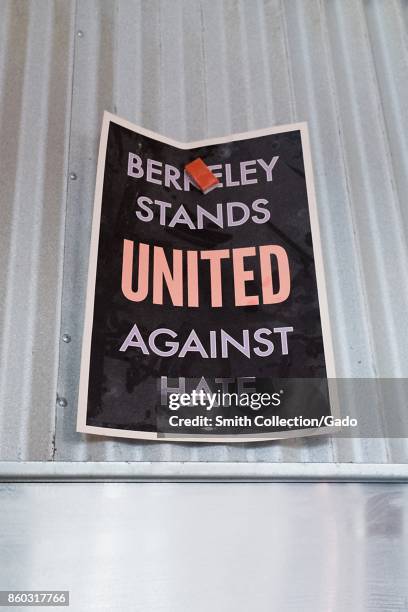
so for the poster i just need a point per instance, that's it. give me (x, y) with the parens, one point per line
(206, 314)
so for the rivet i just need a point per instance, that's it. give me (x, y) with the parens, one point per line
(80, 34)
(73, 176)
(62, 402)
(66, 338)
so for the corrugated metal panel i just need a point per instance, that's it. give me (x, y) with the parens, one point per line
(35, 77)
(194, 69)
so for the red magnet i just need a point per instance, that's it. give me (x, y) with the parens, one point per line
(201, 175)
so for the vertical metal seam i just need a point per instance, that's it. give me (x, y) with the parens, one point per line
(384, 130)
(246, 78)
(160, 78)
(404, 18)
(288, 62)
(267, 64)
(205, 65)
(6, 327)
(67, 164)
(346, 173)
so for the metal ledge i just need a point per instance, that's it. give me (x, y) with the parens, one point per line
(33, 471)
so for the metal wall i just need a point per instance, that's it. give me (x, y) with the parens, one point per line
(266, 547)
(194, 69)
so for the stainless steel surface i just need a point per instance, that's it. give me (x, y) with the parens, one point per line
(264, 547)
(194, 69)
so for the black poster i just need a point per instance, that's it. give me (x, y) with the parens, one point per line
(206, 313)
